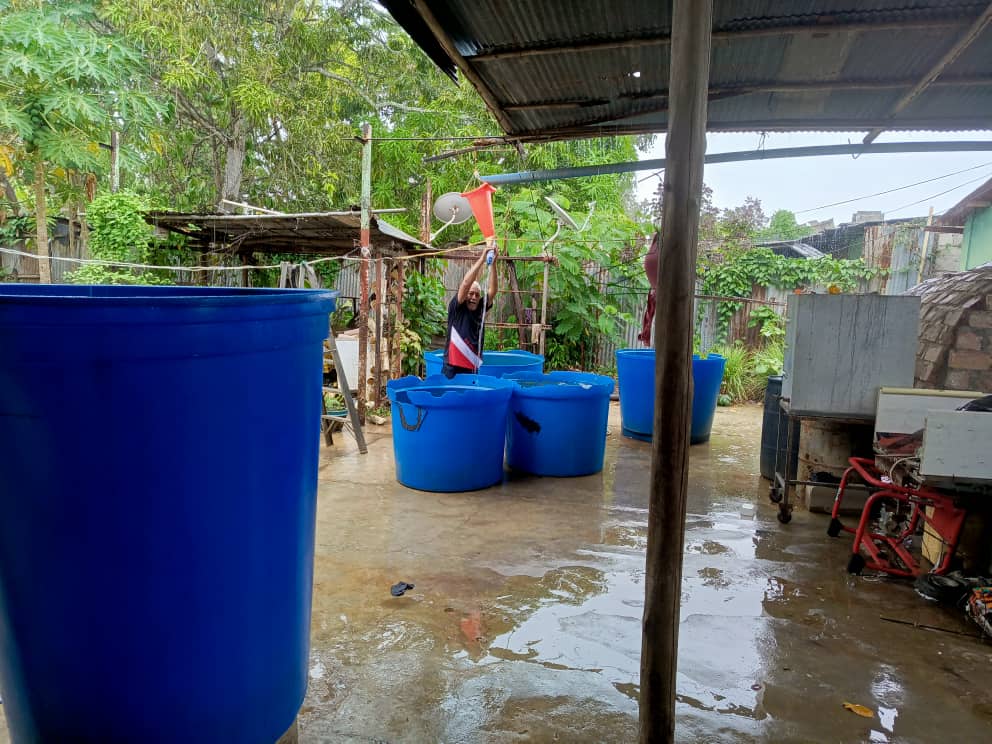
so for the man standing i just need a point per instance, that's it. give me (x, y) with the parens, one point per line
(465, 312)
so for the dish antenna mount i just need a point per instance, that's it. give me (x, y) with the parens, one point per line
(452, 209)
(564, 219)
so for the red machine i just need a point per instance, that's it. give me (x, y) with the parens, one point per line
(888, 551)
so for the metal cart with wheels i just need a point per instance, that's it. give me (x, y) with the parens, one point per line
(784, 482)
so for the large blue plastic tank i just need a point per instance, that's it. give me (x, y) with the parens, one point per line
(557, 423)
(158, 501)
(494, 363)
(635, 372)
(448, 435)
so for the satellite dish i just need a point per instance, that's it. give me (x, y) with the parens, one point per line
(452, 208)
(563, 217)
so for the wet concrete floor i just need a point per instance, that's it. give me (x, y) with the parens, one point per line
(524, 624)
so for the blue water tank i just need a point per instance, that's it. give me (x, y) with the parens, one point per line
(494, 363)
(448, 435)
(557, 423)
(158, 498)
(635, 373)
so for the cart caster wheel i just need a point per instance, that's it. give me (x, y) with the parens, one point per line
(834, 529)
(775, 495)
(784, 516)
(856, 564)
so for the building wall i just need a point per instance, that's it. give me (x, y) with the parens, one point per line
(977, 247)
(955, 345)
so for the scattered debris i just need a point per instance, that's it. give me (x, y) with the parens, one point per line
(926, 627)
(859, 710)
(377, 420)
(400, 588)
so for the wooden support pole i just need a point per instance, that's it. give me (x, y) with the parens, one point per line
(544, 306)
(398, 280)
(518, 301)
(692, 23)
(363, 271)
(380, 319)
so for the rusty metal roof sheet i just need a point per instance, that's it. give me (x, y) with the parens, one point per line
(324, 233)
(560, 68)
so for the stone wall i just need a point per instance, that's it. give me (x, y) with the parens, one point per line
(955, 350)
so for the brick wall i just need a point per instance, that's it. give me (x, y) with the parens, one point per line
(955, 351)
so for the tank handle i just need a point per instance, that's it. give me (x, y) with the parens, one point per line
(421, 417)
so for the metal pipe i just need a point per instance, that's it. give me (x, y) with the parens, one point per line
(876, 148)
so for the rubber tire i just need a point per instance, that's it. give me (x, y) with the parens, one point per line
(834, 528)
(775, 495)
(944, 589)
(856, 565)
(784, 516)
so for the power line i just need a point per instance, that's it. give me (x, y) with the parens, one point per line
(921, 201)
(889, 191)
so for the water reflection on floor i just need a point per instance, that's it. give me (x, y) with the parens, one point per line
(524, 624)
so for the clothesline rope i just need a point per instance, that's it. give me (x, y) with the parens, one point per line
(207, 269)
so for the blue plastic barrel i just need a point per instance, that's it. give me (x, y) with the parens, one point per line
(635, 372)
(707, 376)
(158, 503)
(448, 435)
(557, 423)
(494, 363)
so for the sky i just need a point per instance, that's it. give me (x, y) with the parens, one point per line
(803, 184)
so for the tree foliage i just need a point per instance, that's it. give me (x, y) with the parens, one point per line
(118, 233)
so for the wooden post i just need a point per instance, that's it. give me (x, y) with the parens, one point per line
(544, 303)
(518, 302)
(692, 22)
(115, 161)
(41, 222)
(925, 249)
(398, 277)
(363, 272)
(380, 303)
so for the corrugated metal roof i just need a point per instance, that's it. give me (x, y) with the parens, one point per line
(555, 68)
(977, 199)
(325, 233)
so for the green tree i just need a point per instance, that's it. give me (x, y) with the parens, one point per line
(783, 225)
(64, 85)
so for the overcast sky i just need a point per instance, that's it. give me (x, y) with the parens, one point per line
(801, 184)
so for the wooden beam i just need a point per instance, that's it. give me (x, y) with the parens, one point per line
(973, 32)
(685, 148)
(719, 35)
(361, 384)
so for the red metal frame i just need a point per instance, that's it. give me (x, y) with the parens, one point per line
(946, 521)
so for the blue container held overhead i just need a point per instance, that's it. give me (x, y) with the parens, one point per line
(635, 372)
(557, 423)
(494, 363)
(448, 435)
(157, 531)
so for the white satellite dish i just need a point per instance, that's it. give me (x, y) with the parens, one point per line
(452, 208)
(564, 218)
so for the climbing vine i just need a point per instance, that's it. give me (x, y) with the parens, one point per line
(118, 232)
(735, 271)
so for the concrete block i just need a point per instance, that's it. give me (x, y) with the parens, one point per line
(820, 499)
(958, 379)
(970, 360)
(930, 331)
(924, 370)
(980, 319)
(967, 340)
(933, 352)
